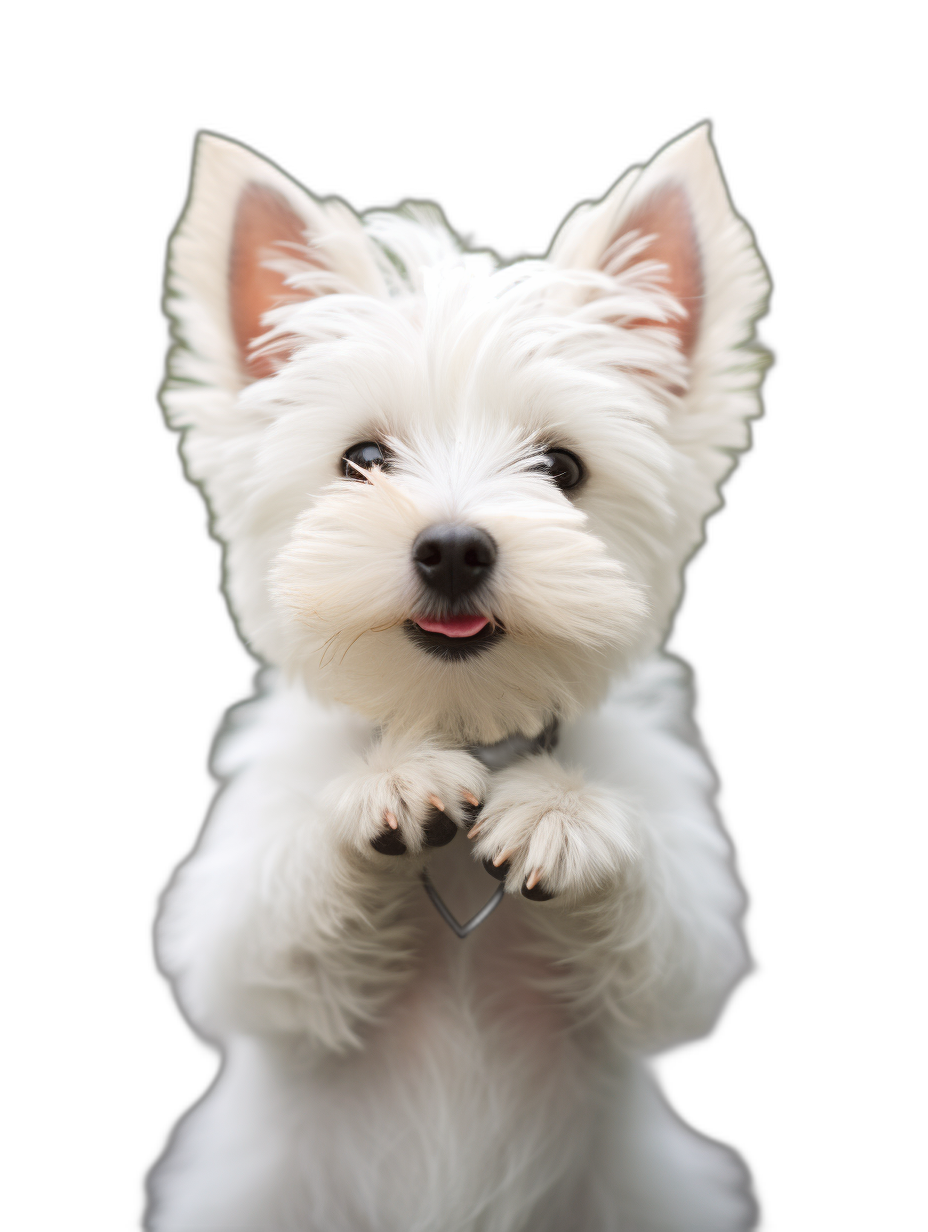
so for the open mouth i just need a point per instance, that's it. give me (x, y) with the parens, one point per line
(455, 637)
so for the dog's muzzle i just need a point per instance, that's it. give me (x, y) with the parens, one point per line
(452, 559)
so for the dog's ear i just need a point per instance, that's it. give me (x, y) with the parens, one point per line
(266, 231)
(676, 211)
(251, 239)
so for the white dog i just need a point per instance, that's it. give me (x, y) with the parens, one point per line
(456, 497)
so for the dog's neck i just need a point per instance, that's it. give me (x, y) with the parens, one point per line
(502, 754)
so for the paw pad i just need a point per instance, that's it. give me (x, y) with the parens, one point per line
(439, 830)
(501, 872)
(389, 843)
(538, 894)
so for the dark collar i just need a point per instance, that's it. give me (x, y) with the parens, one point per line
(502, 754)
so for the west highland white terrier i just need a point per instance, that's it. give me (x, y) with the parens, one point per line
(455, 496)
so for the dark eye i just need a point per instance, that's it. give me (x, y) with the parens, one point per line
(365, 455)
(561, 466)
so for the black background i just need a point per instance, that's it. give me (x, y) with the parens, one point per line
(507, 143)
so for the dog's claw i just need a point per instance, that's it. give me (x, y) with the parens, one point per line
(390, 819)
(471, 800)
(436, 803)
(475, 810)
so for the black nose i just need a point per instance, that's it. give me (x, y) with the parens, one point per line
(453, 559)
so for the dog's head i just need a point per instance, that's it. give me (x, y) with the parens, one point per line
(456, 494)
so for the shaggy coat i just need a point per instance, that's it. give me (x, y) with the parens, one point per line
(379, 1073)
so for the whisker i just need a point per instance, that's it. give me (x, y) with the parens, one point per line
(332, 644)
(325, 646)
(351, 643)
(393, 624)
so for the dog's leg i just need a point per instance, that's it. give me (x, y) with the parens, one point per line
(289, 916)
(643, 933)
(646, 907)
(545, 828)
(406, 796)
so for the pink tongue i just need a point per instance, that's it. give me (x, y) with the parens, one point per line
(454, 626)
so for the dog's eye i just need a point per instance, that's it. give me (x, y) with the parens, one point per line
(561, 466)
(365, 455)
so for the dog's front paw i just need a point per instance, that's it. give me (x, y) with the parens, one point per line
(546, 832)
(406, 798)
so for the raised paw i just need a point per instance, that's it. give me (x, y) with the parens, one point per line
(546, 833)
(437, 831)
(405, 799)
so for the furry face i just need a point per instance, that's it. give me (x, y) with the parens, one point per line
(623, 357)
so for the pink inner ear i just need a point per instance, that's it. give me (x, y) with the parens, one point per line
(665, 215)
(264, 221)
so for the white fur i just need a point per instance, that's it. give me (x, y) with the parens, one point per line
(381, 1075)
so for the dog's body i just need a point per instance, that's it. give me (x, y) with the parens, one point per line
(456, 501)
